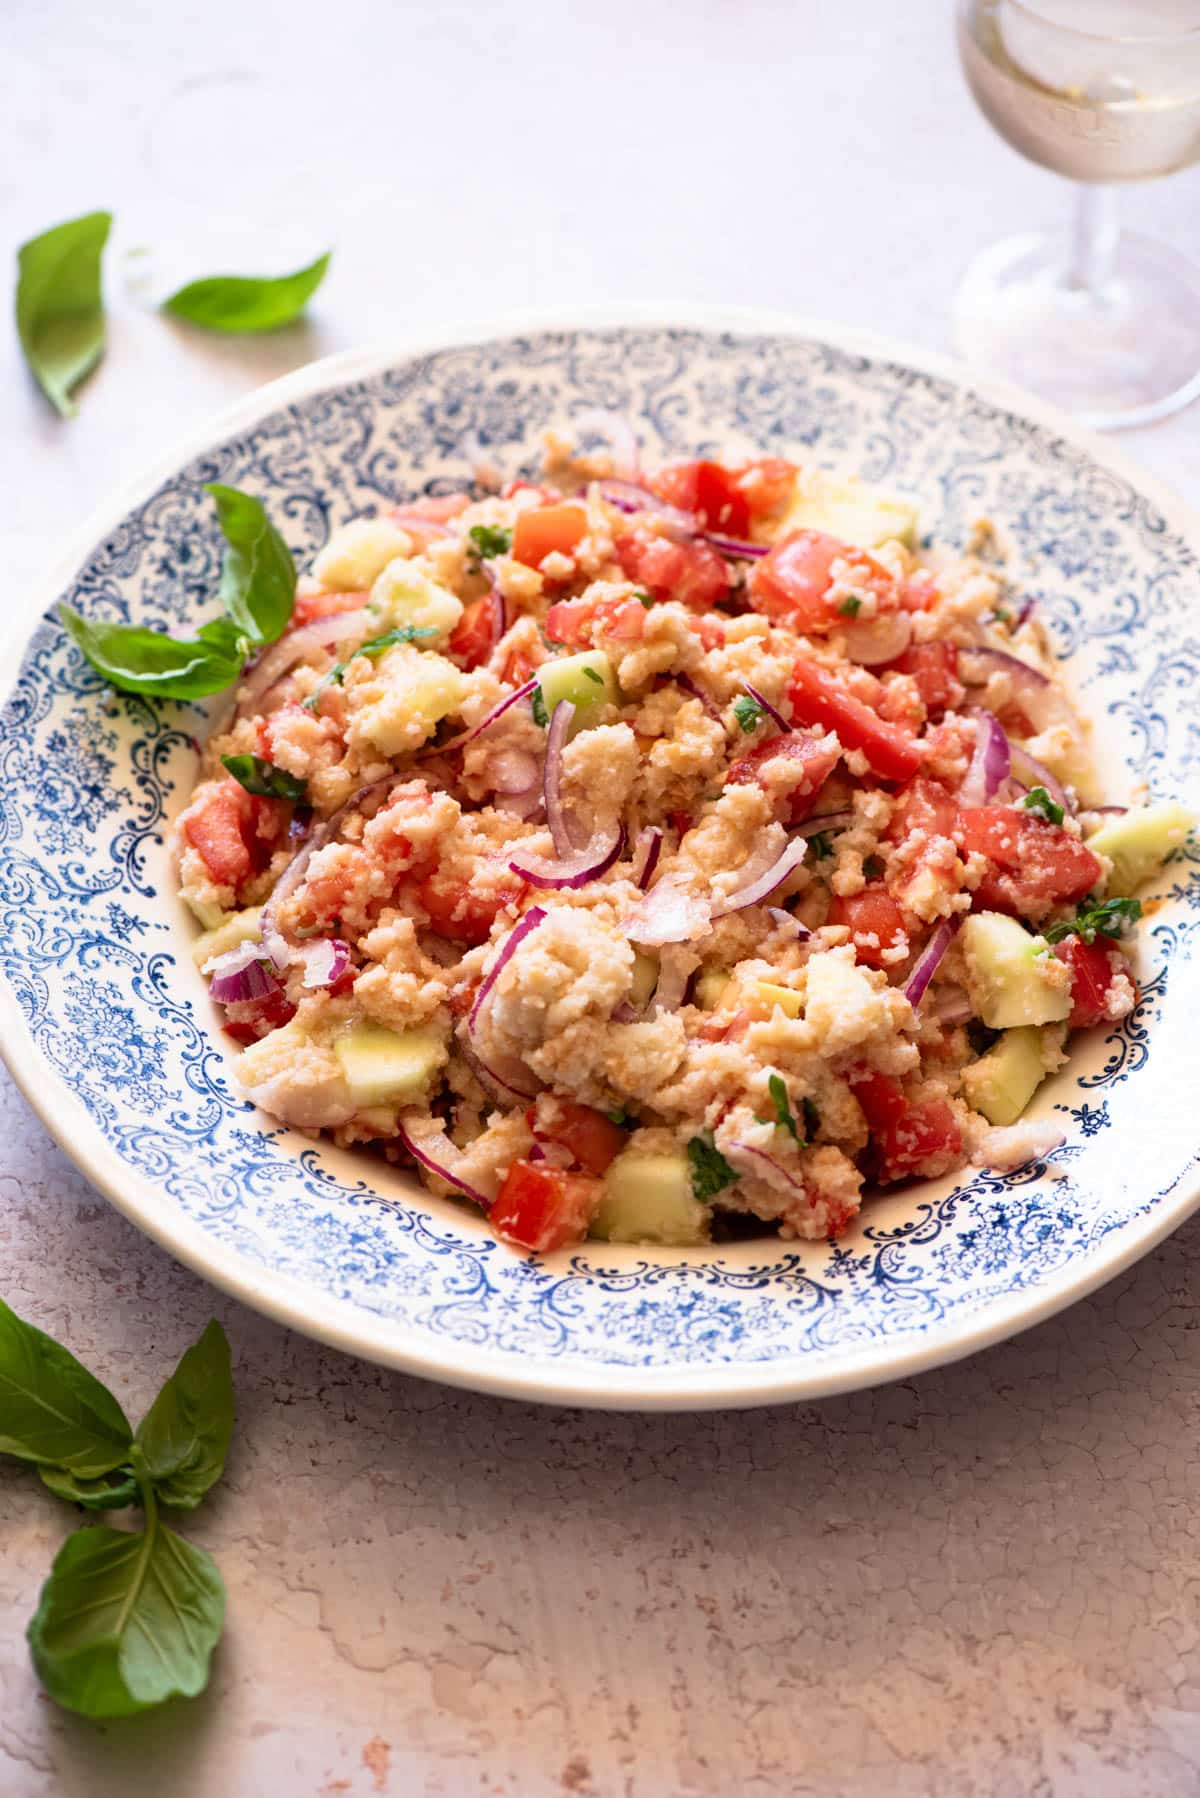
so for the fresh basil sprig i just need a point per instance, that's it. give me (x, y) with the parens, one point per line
(258, 587)
(372, 649)
(783, 1110)
(711, 1173)
(263, 778)
(60, 306)
(126, 1618)
(748, 712)
(248, 302)
(1107, 917)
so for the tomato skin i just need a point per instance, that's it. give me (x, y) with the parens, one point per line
(792, 583)
(543, 1208)
(1095, 968)
(767, 484)
(462, 913)
(817, 698)
(248, 1020)
(1033, 864)
(546, 496)
(934, 668)
(692, 573)
(924, 804)
(548, 530)
(706, 489)
(220, 830)
(593, 1140)
(873, 913)
(577, 622)
(810, 761)
(926, 1141)
(473, 637)
(880, 1098)
(309, 606)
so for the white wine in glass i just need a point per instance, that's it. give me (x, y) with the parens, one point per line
(1102, 91)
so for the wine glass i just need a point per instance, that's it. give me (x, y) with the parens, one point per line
(1104, 322)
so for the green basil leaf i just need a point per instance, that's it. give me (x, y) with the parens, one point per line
(783, 1109)
(108, 1493)
(60, 308)
(182, 1441)
(138, 660)
(53, 1412)
(261, 777)
(247, 302)
(711, 1173)
(258, 577)
(403, 633)
(489, 540)
(748, 713)
(126, 1619)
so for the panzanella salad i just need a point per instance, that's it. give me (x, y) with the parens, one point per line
(639, 857)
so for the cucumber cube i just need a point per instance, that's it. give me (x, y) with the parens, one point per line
(645, 979)
(587, 680)
(1012, 979)
(709, 987)
(1002, 1082)
(388, 1067)
(1139, 842)
(241, 927)
(403, 595)
(649, 1198)
(790, 1002)
(864, 516)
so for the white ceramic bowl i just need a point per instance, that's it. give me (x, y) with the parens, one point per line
(110, 1033)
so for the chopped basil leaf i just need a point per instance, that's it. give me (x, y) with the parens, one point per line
(60, 306)
(619, 1116)
(263, 778)
(537, 705)
(645, 599)
(1001, 615)
(783, 1109)
(981, 1036)
(711, 1173)
(1108, 917)
(1039, 802)
(247, 302)
(372, 649)
(812, 1117)
(851, 606)
(489, 540)
(748, 712)
(592, 675)
(820, 845)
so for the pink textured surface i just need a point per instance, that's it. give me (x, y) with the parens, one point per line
(981, 1584)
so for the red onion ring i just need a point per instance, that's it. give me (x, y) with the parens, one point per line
(953, 1007)
(667, 914)
(574, 871)
(765, 883)
(787, 921)
(1036, 774)
(564, 827)
(646, 851)
(529, 921)
(497, 711)
(1023, 611)
(631, 496)
(745, 1148)
(927, 963)
(976, 665)
(506, 1085)
(297, 646)
(441, 1169)
(813, 827)
(673, 984)
(872, 641)
(252, 981)
(325, 961)
(989, 766)
(706, 700)
(293, 874)
(772, 712)
(735, 546)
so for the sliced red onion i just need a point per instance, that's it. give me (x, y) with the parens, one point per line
(989, 765)
(537, 1153)
(953, 1007)
(1015, 1146)
(422, 530)
(706, 700)
(772, 712)
(976, 666)
(300, 823)
(442, 1167)
(497, 711)
(1036, 774)
(508, 1078)
(646, 852)
(1022, 613)
(625, 1013)
(668, 914)
(325, 961)
(764, 884)
(499, 611)
(927, 962)
(529, 921)
(618, 433)
(564, 827)
(572, 871)
(296, 646)
(252, 981)
(776, 1166)
(1109, 811)
(813, 827)
(872, 641)
(232, 961)
(673, 982)
(787, 921)
(735, 546)
(630, 496)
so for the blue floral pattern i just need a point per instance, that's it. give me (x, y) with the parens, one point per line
(94, 948)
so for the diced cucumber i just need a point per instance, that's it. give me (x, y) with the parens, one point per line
(864, 516)
(649, 1198)
(1012, 979)
(587, 680)
(645, 979)
(788, 1000)
(385, 1067)
(241, 927)
(1002, 1082)
(403, 595)
(709, 987)
(205, 911)
(420, 688)
(356, 555)
(1139, 842)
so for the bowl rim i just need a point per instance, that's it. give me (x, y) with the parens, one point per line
(387, 1340)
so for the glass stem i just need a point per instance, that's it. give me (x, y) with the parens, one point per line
(1094, 233)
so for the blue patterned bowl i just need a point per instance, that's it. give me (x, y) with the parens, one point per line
(109, 1030)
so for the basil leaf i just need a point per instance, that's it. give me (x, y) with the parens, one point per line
(489, 540)
(60, 308)
(247, 302)
(851, 606)
(403, 633)
(108, 1493)
(53, 1412)
(748, 712)
(138, 660)
(258, 577)
(1039, 802)
(257, 775)
(1108, 917)
(711, 1173)
(537, 705)
(783, 1109)
(126, 1619)
(182, 1441)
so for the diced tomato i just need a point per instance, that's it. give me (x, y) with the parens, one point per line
(804, 764)
(881, 1099)
(544, 1208)
(1033, 864)
(440, 507)
(680, 822)
(473, 637)
(1095, 968)
(249, 1019)
(923, 804)
(918, 591)
(792, 583)
(594, 1141)
(219, 826)
(465, 913)
(817, 698)
(547, 530)
(706, 489)
(710, 632)
(578, 622)
(692, 573)
(323, 605)
(767, 485)
(926, 1141)
(875, 922)
(546, 496)
(934, 667)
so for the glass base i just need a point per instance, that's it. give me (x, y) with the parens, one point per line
(1124, 355)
